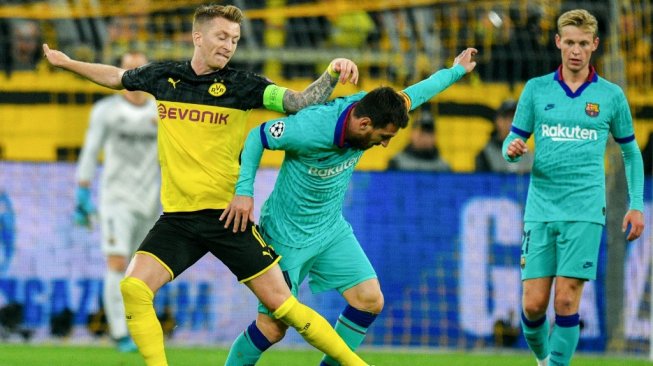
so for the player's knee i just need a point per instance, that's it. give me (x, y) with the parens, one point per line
(564, 305)
(370, 301)
(134, 290)
(534, 309)
(375, 303)
(273, 330)
(127, 289)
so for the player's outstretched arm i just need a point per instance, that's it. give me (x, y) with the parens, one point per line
(339, 70)
(105, 75)
(421, 92)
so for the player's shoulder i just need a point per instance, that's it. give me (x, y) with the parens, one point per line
(166, 65)
(312, 122)
(345, 101)
(608, 86)
(540, 84)
(152, 72)
(156, 69)
(541, 80)
(355, 97)
(239, 75)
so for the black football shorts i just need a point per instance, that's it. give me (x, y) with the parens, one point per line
(180, 239)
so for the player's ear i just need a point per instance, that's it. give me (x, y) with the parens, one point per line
(197, 36)
(365, 123)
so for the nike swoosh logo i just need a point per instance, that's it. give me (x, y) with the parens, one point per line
(549, 106)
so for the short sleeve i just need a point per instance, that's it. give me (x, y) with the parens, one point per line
(251, 89)
(523, 119)
(141, 78)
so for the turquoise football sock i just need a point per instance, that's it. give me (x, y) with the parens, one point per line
(564, 339)
(248, 347)
(536, 333)
(352, 327)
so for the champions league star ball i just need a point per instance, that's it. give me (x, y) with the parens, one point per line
(277, 128)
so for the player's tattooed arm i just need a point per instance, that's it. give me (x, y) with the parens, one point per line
(340, 69)
(317, 92)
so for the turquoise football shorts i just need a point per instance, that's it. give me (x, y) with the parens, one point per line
(561, 248)
(339, 263)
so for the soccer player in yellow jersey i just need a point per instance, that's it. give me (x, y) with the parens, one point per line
(203, 105)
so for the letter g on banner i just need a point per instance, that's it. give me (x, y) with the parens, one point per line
(486, 223)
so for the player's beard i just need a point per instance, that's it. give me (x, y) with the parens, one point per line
(359, 143)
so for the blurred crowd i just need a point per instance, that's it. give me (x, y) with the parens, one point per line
(401, 45)
(515, 39)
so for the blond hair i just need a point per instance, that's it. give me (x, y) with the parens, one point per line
(205, 13)
(580, 18)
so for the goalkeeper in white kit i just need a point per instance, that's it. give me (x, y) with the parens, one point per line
(124, 127)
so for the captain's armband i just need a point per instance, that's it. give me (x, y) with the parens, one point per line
(332, 72)
(273, 98)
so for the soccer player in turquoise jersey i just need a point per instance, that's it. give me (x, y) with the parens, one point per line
(570, 112)
(302, 219)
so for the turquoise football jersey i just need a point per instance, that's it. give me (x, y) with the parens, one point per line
(306, 203)
(571, 132)
(305, 206)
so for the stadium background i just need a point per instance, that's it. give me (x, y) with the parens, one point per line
(444, 244)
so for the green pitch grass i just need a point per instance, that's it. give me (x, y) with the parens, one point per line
(61, 355)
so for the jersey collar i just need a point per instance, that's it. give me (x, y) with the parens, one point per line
(341, 127)
(591, 78)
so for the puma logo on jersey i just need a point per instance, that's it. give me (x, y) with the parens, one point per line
(265, 252)
(173, 82)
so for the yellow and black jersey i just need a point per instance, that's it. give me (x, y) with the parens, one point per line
(202, 120)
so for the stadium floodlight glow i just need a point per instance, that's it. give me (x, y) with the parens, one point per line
(495, 19)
